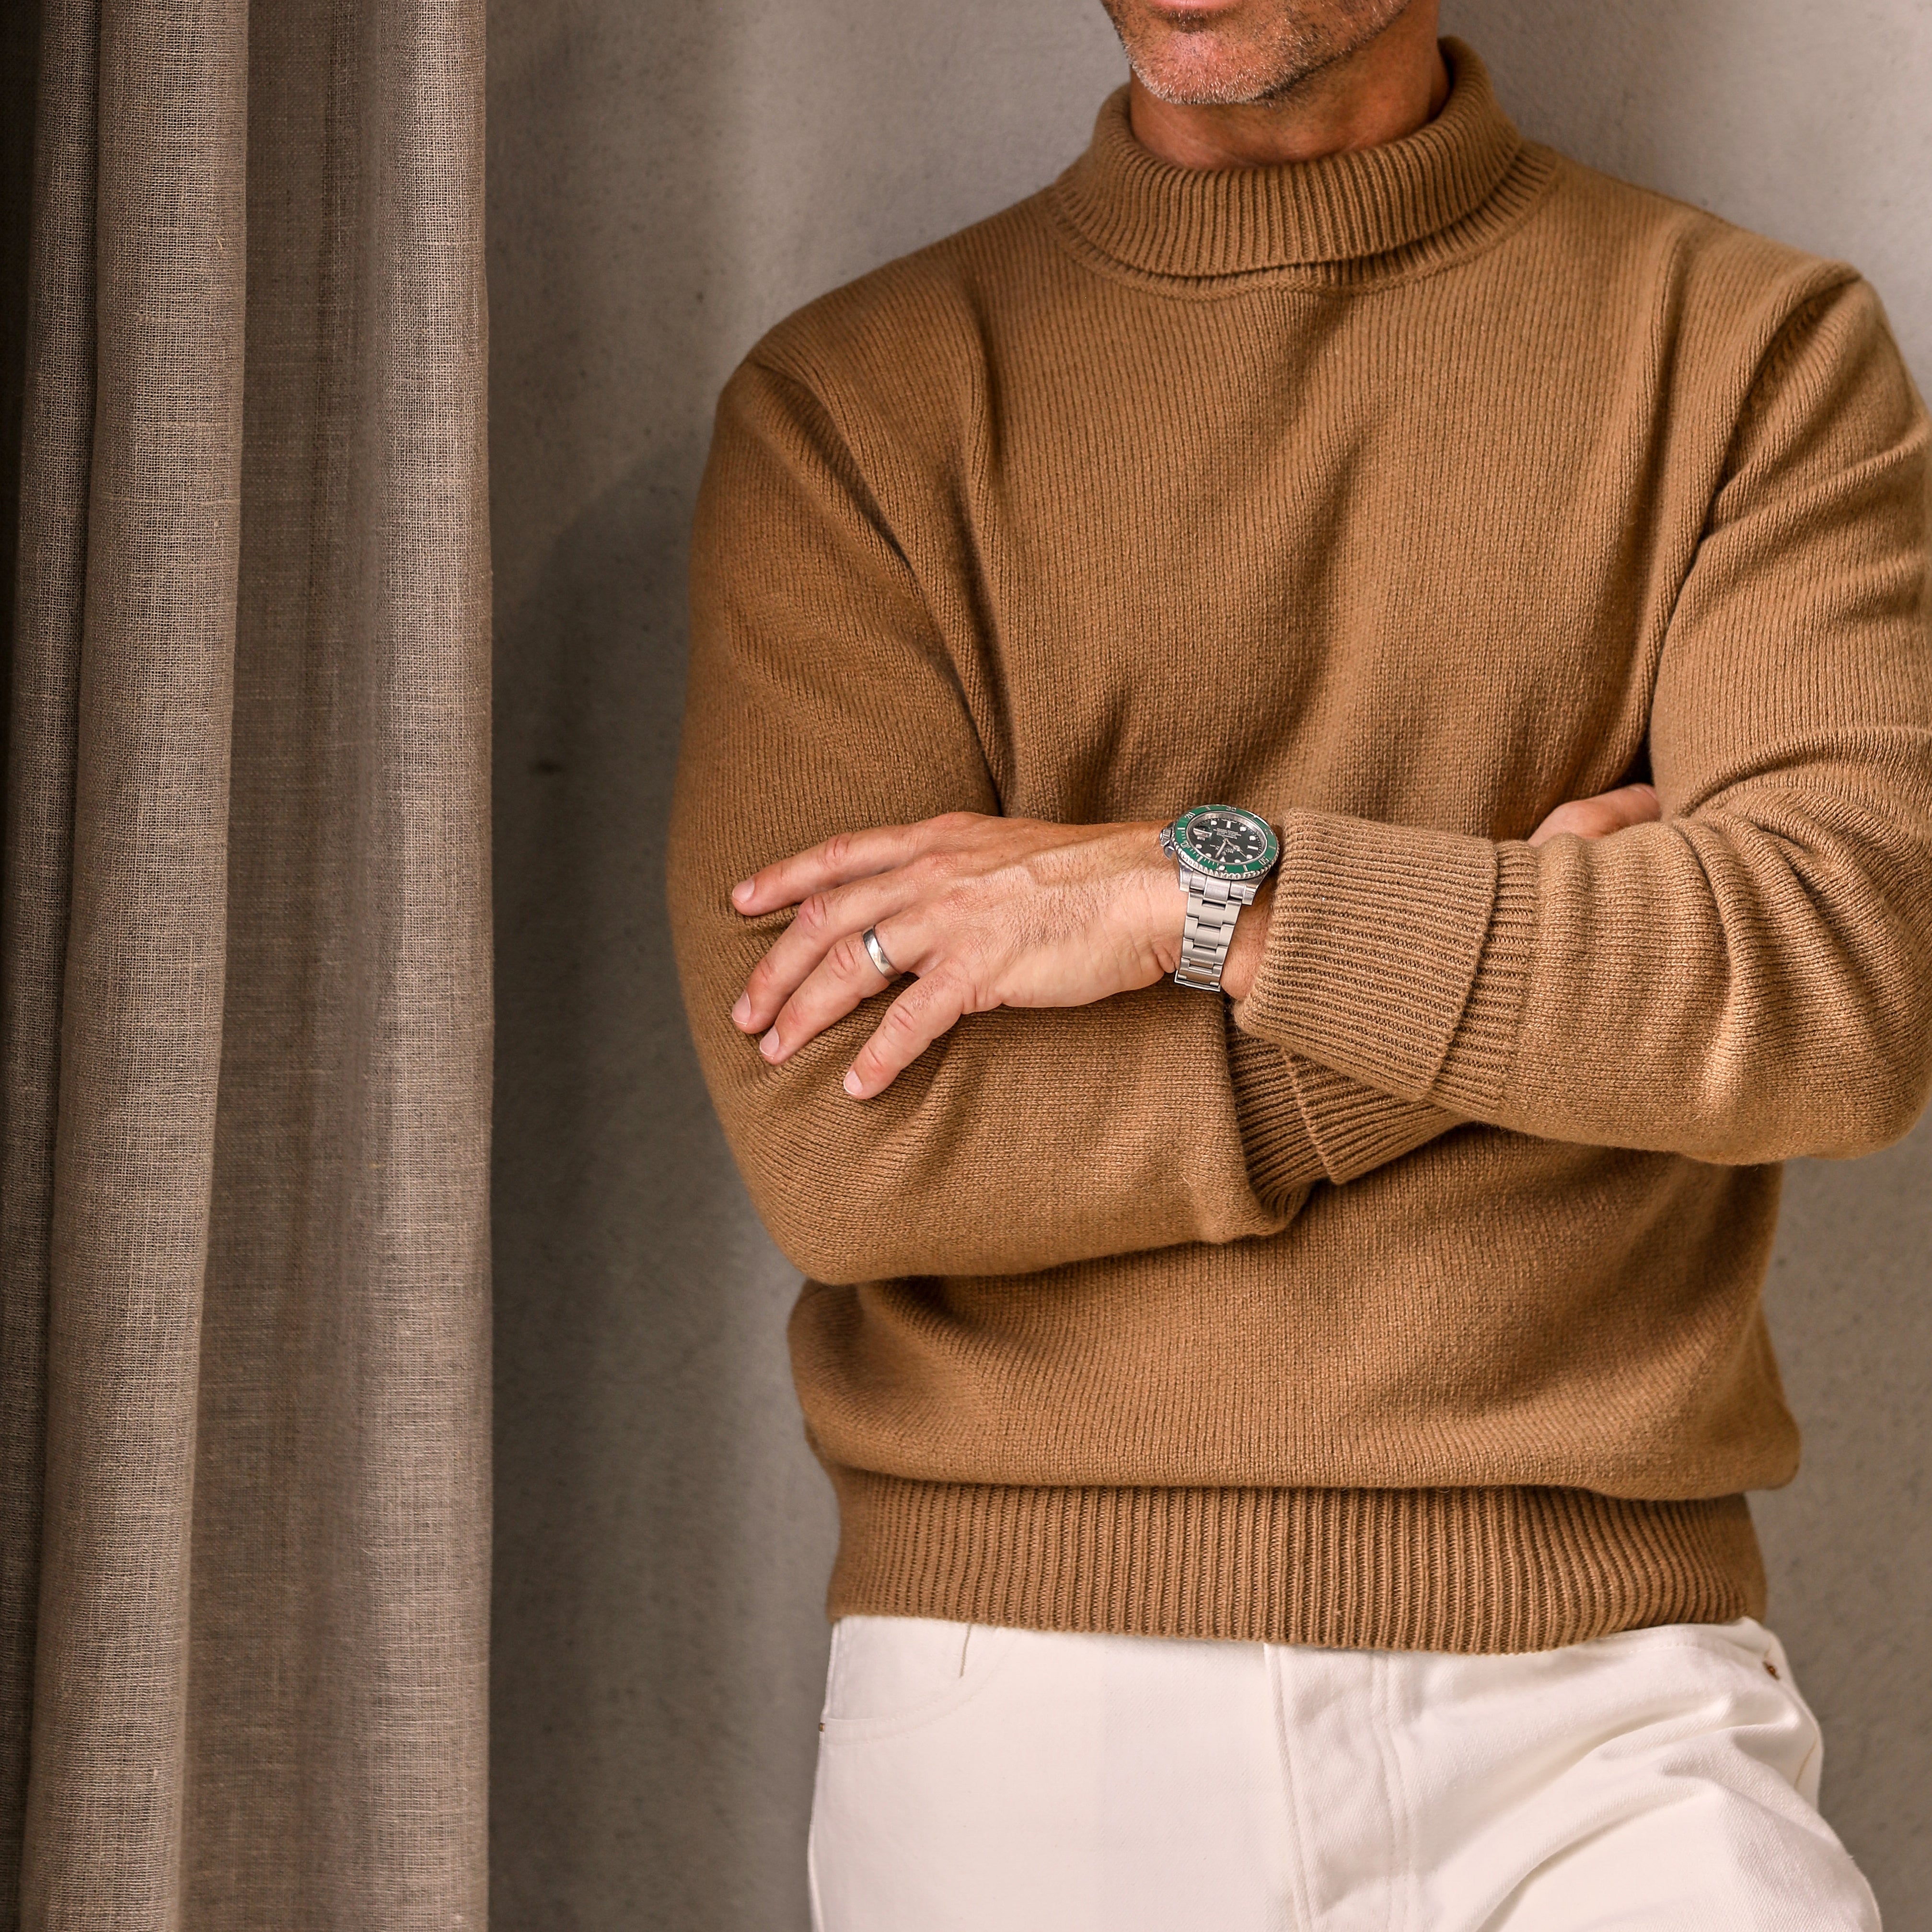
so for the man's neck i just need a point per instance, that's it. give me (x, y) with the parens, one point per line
(1391, 87)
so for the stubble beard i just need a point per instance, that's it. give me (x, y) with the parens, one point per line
(1301, 40)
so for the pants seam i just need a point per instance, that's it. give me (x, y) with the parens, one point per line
(1395, 1780)
(1304, 1901)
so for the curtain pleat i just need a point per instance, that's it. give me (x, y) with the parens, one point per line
(57, 429)
(246, 971)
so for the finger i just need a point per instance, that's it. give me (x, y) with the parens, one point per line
(1597, 818)
(927, 1008)
(1580, 818)
(823, 920)
(841, 981)
(837, 860)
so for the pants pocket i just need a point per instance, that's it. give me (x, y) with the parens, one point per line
(888, 1675)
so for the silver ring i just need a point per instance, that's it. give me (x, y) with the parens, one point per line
(869, 939)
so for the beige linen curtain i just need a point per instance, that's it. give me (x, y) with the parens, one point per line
(244, 979)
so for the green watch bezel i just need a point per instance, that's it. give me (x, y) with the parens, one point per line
(1215, 868)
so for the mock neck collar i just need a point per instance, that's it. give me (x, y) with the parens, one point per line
(1199, 222)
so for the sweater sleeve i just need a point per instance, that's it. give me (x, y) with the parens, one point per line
(821, 699)
(1748, 979)
(1292, 1108)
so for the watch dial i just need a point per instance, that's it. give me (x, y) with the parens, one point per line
(1227, 838)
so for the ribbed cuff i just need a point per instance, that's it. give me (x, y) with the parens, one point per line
(1282, 1159)
(1477, 1063)
(1373, 948)
(1357, 1128)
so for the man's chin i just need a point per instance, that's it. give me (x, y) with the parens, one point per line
(1210, 77)
(1206, 64)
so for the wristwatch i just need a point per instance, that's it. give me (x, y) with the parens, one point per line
(1223, 853)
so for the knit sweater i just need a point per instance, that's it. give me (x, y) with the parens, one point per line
(1400, 496)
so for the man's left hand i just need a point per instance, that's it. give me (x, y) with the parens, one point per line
(989, 912)
(985, 912)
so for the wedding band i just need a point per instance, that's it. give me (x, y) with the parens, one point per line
(869, 939)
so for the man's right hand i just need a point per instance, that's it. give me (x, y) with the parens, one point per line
(1608, 812)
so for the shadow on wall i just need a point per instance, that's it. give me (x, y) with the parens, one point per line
(653, 1691)
(664, 183)
(1848, 1545)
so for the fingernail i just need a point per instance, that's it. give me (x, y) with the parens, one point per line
(741, 892)
(741, 1013)
(769, 1046)
(852, 1082)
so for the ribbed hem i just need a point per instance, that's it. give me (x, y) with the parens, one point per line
(1373, 946)
(1357, 1128)
(1282, 1159)
(1150, 215)
(1473, 1571)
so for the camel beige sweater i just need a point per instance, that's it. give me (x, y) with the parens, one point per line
(1400, 497)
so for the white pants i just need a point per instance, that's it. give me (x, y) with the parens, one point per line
(978, 1779)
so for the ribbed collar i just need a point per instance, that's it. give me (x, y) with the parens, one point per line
(1170, 221)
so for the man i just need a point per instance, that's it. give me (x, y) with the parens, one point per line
(1291, 1426)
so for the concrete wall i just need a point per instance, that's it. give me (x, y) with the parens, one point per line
(665, 182)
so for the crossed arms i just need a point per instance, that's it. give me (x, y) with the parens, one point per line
(992, 912)
(1741, 977)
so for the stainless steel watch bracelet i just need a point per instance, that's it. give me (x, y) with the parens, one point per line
(1213, 906)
